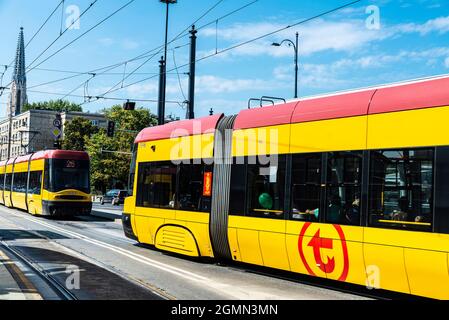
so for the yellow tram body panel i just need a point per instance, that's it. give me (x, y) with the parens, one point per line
(19, 198)
(411, 262)
(413, 128)
(404, 261)
(261, 141)
(25, 188)
(188, 230)
(181, 148)
(328, 135)
(35, 200)
(2, 172)
(178, 231)
(7, 193)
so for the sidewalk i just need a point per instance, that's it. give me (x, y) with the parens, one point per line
(13, 283)
(106, 213)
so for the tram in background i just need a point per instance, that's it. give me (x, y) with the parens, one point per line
(352, 187)
(50, 183)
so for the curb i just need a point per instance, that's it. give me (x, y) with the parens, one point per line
(106, 215)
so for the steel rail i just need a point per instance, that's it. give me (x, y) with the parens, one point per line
(59, 289)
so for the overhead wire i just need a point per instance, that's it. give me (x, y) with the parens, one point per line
(40, 28)
(86, 32)
(61, 34)
(163, 46)
(143, 55)
(49, 46)
(249, 41)
(28, 43)
(99, 98)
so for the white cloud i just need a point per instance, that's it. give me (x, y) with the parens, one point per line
(335, 75)
(314, 37)
(319, 35)
(283, 73)
(214, 84)
(440, 25)
(321, 76)
(140, 90)
(204, 84)
(446, 62)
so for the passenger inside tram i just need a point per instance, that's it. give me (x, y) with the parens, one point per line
(353, 214)
(334, 210)
(401, 214)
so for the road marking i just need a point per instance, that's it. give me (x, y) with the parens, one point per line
(131, 255)
(29, 292)
(229, 289)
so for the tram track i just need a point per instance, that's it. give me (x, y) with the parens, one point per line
(56, 244)
(75, 257)
(51, 281)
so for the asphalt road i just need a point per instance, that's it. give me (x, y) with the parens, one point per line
(107, 206)
(114, 267)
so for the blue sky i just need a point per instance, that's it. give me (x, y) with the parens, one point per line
(337, 52)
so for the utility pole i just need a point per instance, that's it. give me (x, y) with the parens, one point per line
(191, 105)
(296, 66)
(295, 48)
(161, 99)
(163, 65)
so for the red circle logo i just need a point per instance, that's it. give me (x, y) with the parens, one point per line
(317, 243)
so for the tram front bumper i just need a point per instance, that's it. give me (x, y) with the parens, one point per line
(66, 208)
(127, 227)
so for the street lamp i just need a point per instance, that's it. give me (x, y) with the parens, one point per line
(163, 78)
(295, 47)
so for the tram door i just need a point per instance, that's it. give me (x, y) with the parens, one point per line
(260, 232)
(324, 236)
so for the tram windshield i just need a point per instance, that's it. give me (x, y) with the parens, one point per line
(69, 174)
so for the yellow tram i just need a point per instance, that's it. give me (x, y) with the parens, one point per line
(52, 183)
(352, 187)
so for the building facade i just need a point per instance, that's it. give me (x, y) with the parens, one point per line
(32, 131)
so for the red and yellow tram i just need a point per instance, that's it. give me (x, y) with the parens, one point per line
(52, 182)
(351, 187)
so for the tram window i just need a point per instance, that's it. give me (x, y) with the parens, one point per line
(192, 194)
(2, 181)
(19, 182)
(157, 185)
(401, 189)
(34, 186)
(132, 171)
(8, 182)
(238, 188)
(343, 188)
(69, 174)
(306, 186)
(266, 183)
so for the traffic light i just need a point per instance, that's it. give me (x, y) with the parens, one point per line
(129, 106)
(111, 129)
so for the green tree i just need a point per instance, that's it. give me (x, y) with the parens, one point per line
(54, 105)
(110, 157)
(77, 132)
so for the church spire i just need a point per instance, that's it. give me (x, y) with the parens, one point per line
(18, 87)
(19, 69)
